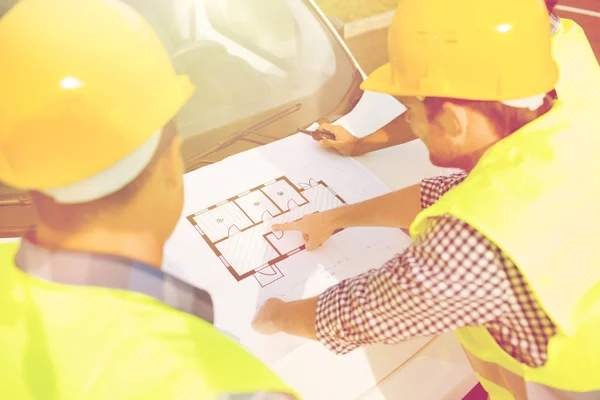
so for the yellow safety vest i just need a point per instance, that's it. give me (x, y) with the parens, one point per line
(71, 342)
(579, 81)
(536, 194)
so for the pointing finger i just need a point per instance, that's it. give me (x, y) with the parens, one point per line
(290, 226)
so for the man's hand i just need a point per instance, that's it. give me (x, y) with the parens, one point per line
(398, 131)
(294, 318)
(345, 143)
(268, 317)
(316, 228)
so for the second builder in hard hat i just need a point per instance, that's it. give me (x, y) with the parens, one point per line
(87, 100)
(507, 258)
(579, 83)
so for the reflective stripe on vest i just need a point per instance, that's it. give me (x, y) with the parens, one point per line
(536, 195)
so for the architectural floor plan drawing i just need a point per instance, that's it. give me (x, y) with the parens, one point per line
(238, 230)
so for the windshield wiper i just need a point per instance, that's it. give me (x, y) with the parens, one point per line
(18, 199)
(238, 136)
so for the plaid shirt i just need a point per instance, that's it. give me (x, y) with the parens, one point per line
(452, 277)
(87, 269)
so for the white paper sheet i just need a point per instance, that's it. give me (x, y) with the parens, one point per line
(403, 165)
(372, 112)
(296, 172)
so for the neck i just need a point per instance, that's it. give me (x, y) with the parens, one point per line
(483, 136)
(135, 245)
(468, 161)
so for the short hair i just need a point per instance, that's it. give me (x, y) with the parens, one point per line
(550, 4)
(506, 119)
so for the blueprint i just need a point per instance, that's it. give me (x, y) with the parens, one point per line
(238, 230)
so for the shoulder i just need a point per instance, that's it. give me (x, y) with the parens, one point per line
(565, 26)
(432, 189)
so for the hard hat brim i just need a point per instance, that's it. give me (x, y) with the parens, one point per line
(380, 81)
(109, 181)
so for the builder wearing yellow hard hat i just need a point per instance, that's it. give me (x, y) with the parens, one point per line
(87, 100)
(505, 257)
(579, 83)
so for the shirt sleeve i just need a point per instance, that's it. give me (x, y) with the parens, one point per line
(452, 277)
(432, 189)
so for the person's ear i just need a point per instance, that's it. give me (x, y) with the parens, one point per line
(173, 163)
(455, 120)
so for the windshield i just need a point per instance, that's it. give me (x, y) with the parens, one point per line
(262, 69)
(252, 61)
(249, 59)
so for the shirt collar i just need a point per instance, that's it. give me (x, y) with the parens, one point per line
(88, 269)
(554, 22)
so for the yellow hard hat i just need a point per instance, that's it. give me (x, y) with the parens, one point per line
(468, 49)
(85, 88)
